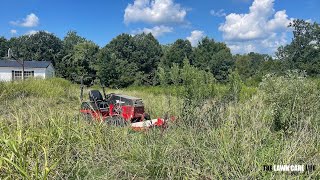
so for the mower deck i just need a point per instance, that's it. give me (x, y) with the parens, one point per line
(144, 125)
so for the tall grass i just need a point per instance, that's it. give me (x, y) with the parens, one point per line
(42, 136)
(50, 88)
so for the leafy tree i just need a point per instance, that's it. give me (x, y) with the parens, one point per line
(84, 58)
(42, 46)
(19, 47)
(71, 40)
(165, 48)
(273, 66)
(146, 55)
(175, 74)
(176, 53)
(122, 46)
(252, 64)
(105, 69)
(130, 60)
(197, 84)
(214, 57)
(79, 56)
(303, 52)
(119, 67)
(115, 73)
(162, 76)
(3, 47)
(115, 62)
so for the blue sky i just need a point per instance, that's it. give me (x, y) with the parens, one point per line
(245, 25)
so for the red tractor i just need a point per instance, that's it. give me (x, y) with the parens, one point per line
(116, 109)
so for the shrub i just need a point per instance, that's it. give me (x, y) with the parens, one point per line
(235, 86)
(197, 84)
(162, 76)
(294, 100)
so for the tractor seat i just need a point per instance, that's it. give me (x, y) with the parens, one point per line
(95, 95)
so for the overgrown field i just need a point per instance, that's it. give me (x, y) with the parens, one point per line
(221, 132)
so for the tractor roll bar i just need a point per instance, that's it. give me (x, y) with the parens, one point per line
(91, 76)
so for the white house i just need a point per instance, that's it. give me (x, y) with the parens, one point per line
(12, 70)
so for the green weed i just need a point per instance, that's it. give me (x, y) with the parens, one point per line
(42, 135)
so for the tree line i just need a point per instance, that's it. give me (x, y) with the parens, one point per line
(141, 60)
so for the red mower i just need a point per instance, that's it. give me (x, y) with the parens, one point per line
(117, 109)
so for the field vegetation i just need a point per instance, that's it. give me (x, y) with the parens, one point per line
(228, 133)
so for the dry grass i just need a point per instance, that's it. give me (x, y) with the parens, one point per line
(43, 136)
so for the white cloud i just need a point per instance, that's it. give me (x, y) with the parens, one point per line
(309, 21)
(155, 31)
(219, 13)
(30, 21)
(31, 32)
(154, 12)
(280, 21)
(261, 29)
(268, 45)
(195, 37)
(13, 31)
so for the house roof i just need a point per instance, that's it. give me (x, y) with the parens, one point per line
(27, 64)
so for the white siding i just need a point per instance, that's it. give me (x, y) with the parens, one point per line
(38, 72)
(49, 71)
(6, 72)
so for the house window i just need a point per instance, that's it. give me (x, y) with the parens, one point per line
(28, 74)
(17, 75)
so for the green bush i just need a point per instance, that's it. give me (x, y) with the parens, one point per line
(235, 87)
(197, 84)
(294, 100)
(247, 92)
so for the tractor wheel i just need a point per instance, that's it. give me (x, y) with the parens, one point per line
(116, 121)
